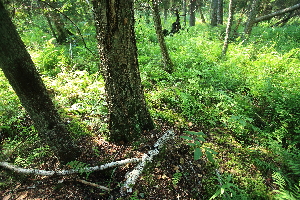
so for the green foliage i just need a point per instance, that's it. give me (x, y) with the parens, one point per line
(197, 145)
(80, 167)
(286, 191)
(228, 190)
(176, 178)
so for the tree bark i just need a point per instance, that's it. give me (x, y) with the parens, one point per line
(192, 12)
(228, 28)
(220, 12)
(168, 65)
(214, 13)
(22, 75)
(128, 114)
(280, 12)
(184, 8)
(251, 18)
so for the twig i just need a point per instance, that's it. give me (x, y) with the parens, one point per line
(93, 184)
(132, 176)
(77, 28)
(67, 172)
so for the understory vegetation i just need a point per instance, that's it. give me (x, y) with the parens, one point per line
(239, 114)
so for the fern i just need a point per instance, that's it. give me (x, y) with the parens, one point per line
(286, 191)
(80, 166)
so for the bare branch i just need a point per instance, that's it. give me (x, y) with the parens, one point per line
(67, 172)
(132, 176)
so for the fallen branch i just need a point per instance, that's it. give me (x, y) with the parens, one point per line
(280, 12)
(132, 176)
(67, 172)
(93, 184)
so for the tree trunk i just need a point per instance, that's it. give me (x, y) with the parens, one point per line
(166, 5)
(161, 40)
(220, 12)
(20, 71)
(128, 114)
(251, 18)
(201, 13)
(184, 11)
(214, 13)
(192, 12)
(280, 12)
(228, 28)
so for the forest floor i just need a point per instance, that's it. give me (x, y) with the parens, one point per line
(173, 174)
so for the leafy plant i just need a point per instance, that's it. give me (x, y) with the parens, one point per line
(197, 145)
(176, 178)
(228, 190)
(286, 191)
(80, 167)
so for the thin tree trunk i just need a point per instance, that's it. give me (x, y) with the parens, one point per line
(161, 40)
(201, 13)
(220, 12)
(21, 73)
(251, 18)
(214, 13)
(184, 8)
(192, 12)
(128, 114)
(228, 28)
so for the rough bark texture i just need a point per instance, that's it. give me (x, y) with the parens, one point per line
(128, 115)
(21, 73)
(161, 40)
(192, 12)
(228, 28)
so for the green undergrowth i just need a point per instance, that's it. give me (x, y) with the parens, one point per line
(247, 103)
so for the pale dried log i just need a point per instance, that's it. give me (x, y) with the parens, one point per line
(132, 176)
(67, 172)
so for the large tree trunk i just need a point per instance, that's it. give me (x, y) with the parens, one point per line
(161, 40)
(20, 71)
(128, 114)
(228, 28)
(277, 13)
(192, 12)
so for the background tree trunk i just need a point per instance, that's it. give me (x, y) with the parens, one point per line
(214, 13)
(128, 115)
(228, 28)
(251, 18)
(161, 40)
(220, 12)
(192, 12)
(184, 8)
(21, 73)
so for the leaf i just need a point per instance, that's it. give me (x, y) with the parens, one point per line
(197, 154)
(209, 156)
(210, 150)
(201, 139)
(191, 144)
(197, 143)
(194, 133)
(186, 137)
